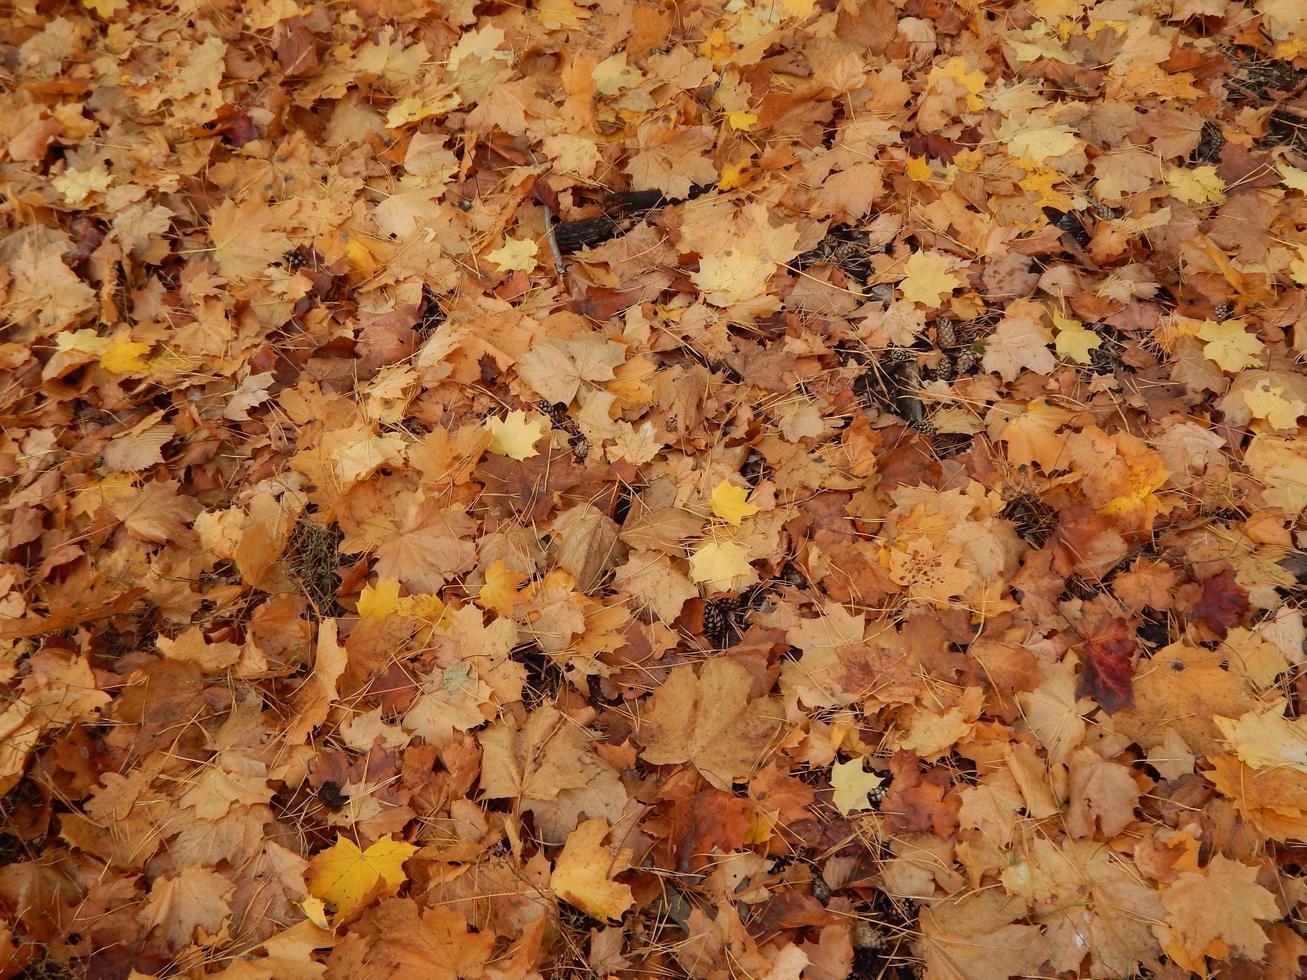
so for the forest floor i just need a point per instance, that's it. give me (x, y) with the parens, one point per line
(799, 489)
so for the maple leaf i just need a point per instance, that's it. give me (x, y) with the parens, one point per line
(722, 565)
(1019, 341)
(1265, 739)
(500, 592)
(398, 939)
(105, 8)
(1074, 341)
(732, 278)
(1214, 913)
(379, 600)
(710, 721)
(730, 503)
(927, 279)
(516, 434)
(123, 356)
(1230, 345)
(852, 784)
(245, 238)
(1102, 792)
(652, 578)
(977, 938)
(583, 874)
(287, 955)
(1221, 604)
(558, 368)
(196, 898)
(348, 878)
(1109, 667)
(515, 254)
(77, 185)
(1270, 403)
(1199, 185)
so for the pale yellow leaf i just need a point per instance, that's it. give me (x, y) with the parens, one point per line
(515, 254)
(852, 784)
(516, 434)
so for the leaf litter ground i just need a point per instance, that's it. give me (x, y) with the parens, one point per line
(797, 489)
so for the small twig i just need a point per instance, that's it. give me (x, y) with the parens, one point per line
(551, 222)
(1274, 105)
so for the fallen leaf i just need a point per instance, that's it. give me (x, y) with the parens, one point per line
(852, 784)
(516, 254)
(708, 719)
(730, 503)
(583, 874)
(516, 434)
(348, 879)
(927, 279)
(1214, 913)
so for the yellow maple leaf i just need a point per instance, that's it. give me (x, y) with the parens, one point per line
(1298, 266)
(1231, 346)
(927, 278)
(1270, 404)
(583, 874)
(515, 436)
(742, 121)
(105, 8)
(1265, 739)
(735, 174)
(955, 70)
(1041, 180)
(729, 502)
(918, 169)
(851, 785)
(428, 608)
(500, 593)
(84, 341)
(1201, 185)
(348, 878)
(77, 185)
(722, 565)
(1073, 340)
(734, 277)
(124, 356)
(380, 600)
(315, 911)
(1294, 179)
(515, 254)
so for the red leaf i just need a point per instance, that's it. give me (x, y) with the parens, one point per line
(1109, 667)
(1222, 602)
(919, 801)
